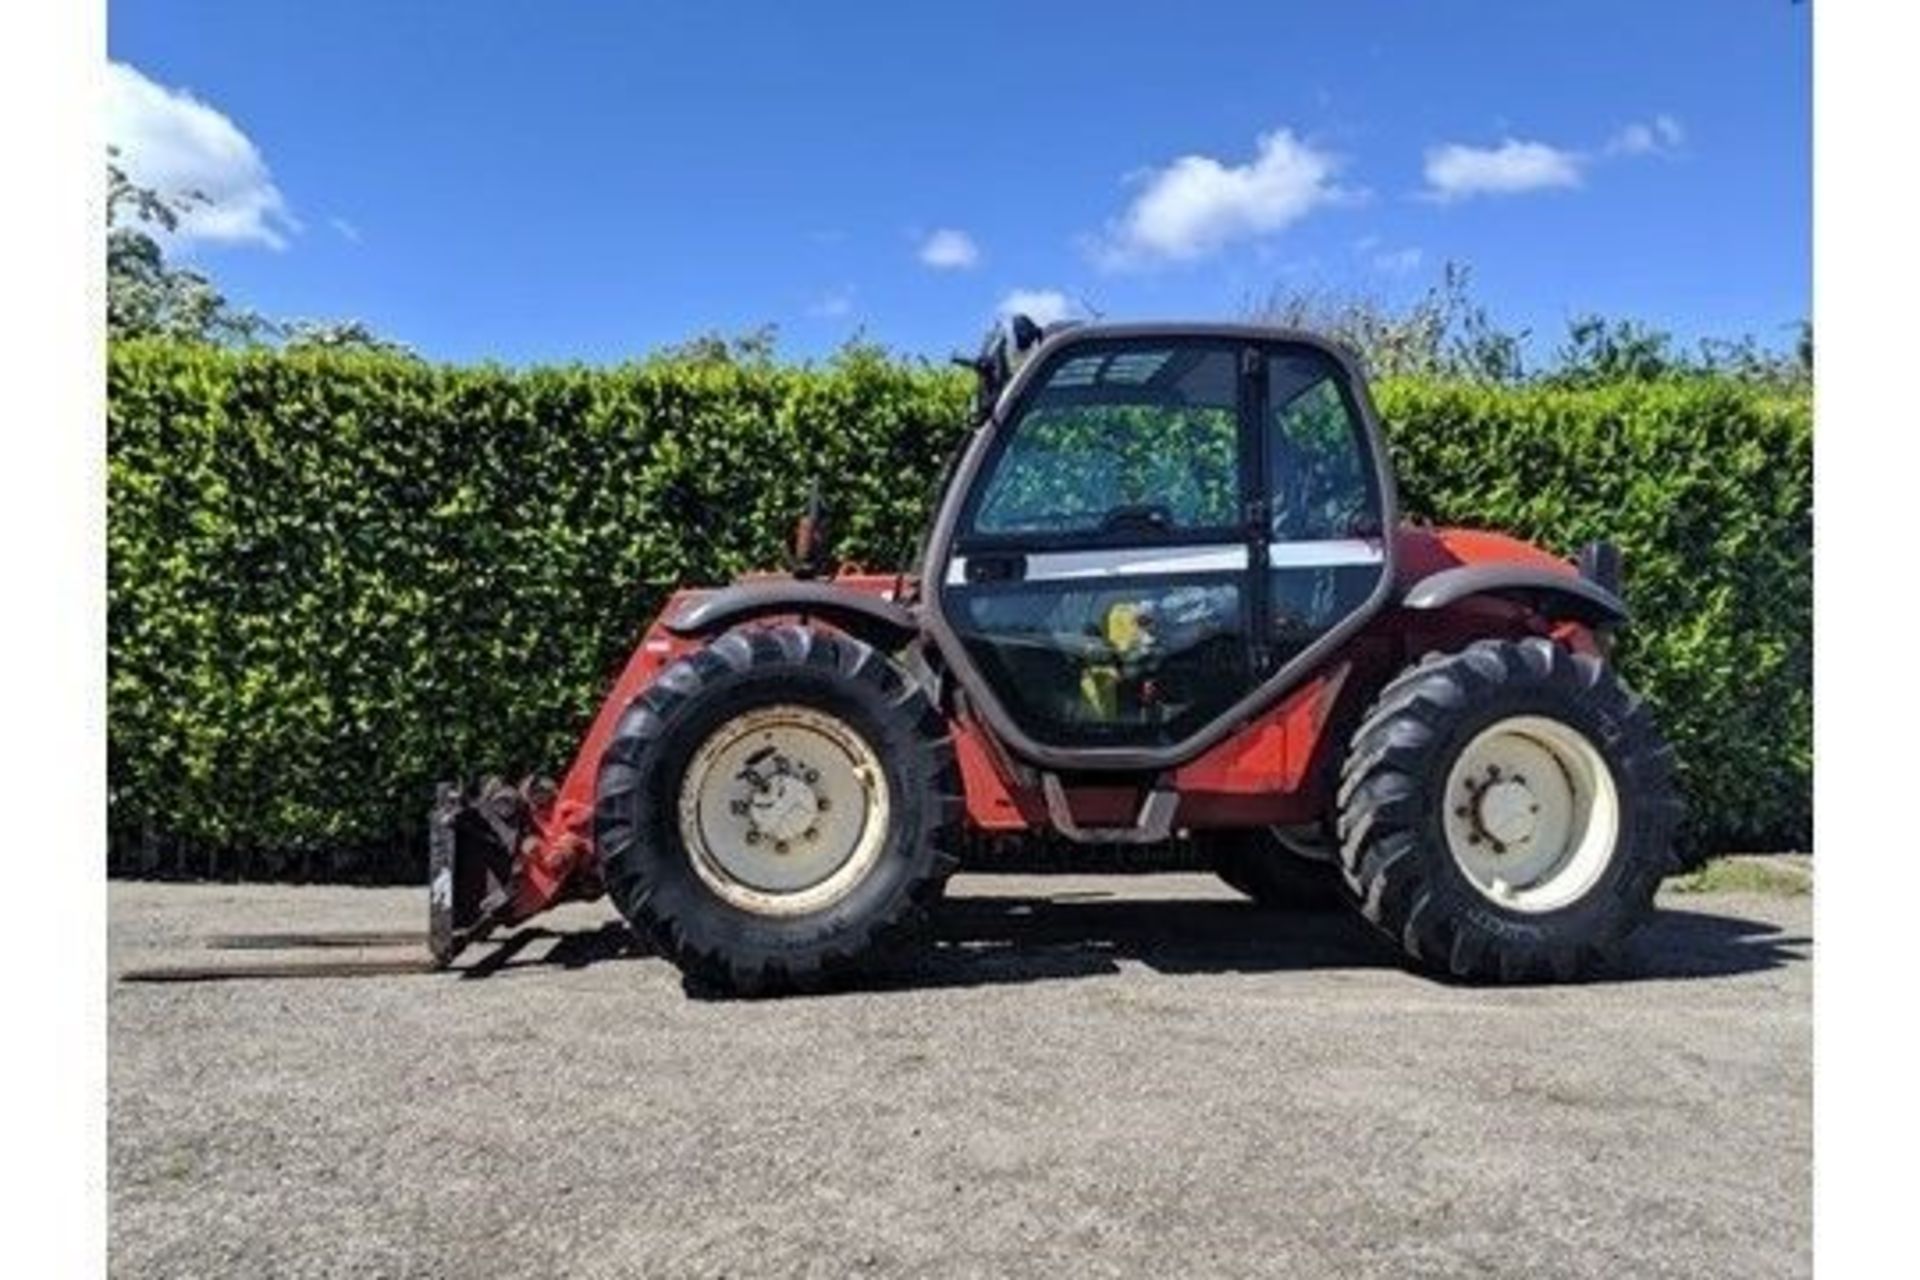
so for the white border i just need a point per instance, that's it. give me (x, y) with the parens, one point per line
(51, 328)
(1867, 887)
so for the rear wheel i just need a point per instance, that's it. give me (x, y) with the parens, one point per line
(777, 809)
(1507, 812)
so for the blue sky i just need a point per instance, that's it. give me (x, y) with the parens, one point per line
(560, 181)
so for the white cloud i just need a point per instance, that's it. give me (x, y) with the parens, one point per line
(949, 249)
(1042, 306)
(1388, 261)
(1196, 205)
(1455, 171)
(347, 230)
(833, 304)
(1397, 262)
(171, 141)
(1659, 136)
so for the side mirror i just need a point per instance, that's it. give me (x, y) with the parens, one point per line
(1025, 333)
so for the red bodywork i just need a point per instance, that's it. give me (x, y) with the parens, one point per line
(1277, 770)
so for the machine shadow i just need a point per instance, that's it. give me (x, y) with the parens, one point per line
(987, 939)
(1699, 944)
(997, 940)
(575, 949)
(993, 940)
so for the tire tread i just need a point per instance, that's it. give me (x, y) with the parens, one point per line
(1391, 869)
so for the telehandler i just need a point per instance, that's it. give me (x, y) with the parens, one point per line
(1166, 594)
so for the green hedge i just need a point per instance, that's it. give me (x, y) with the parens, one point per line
(334, 578)
(1707, 486)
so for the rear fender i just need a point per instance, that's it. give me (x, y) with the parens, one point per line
(1555, 595)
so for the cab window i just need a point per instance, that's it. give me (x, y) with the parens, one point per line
(1317, 473)
(1325, 556)
(1123, 438)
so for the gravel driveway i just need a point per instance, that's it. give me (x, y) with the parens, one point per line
(1086, 1076)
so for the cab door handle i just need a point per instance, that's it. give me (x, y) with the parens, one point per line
(996, 568)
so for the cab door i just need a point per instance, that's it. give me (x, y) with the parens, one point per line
(1159, 537)
(1323, 561)
(1102, 577)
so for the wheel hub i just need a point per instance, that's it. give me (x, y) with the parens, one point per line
(1505, 811)
(1532, 813)
(783, 809)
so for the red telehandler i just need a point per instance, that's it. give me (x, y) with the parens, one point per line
(1166, 594)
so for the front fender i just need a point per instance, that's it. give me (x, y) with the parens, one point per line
(872, 618)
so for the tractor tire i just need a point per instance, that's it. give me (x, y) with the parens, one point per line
(777, 809)
(1254, 863)
(1472, 867)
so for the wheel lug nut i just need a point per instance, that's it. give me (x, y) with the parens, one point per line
(753, 837)
(738, 808)
(780, 846)
(811, 775)
(1460, 812)
(825, 804)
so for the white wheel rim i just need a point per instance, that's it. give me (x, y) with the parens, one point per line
(784, 810)
(1532, 813)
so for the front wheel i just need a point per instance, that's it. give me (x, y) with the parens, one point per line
(777, 809)
(1507, 812)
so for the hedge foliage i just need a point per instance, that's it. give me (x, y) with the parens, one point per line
(334, 578)
(1707, 486)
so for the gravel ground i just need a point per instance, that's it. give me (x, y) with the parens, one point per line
(1084, 1076)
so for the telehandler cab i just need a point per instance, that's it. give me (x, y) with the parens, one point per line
(1166, 595)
